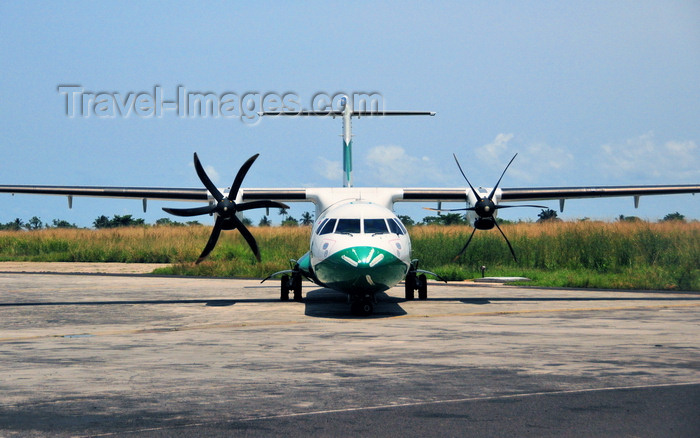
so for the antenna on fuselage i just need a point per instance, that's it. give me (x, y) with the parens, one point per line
(347, 113)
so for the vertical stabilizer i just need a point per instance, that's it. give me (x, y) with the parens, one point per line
(347, 113)
(347, 142)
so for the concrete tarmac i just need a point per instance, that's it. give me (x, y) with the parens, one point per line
(138, 355)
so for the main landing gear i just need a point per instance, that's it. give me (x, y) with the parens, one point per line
(290, 282)
(416, 281)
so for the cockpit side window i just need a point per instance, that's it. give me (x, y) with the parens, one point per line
(320, 227)
(403, 228)
(394, 226)
(348, 226)
(375, 226)
(328, 227)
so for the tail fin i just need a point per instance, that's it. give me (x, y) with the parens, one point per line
(347, 114)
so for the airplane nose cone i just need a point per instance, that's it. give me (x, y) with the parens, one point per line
(361, 268)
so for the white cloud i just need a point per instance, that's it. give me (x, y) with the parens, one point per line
(391, 165)
(534, 161)
(213, 174)
(495, 151)
(643, 158)
(331, 170)
(210, 171)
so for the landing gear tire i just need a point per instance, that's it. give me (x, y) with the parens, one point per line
(422, 287)
(362, 308)
(284, 288)
(296, 287)
(410, 286)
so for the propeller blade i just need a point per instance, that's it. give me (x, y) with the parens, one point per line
(205, 179)
(247, 236)
(243, 206)
(526, 205)
(213, 238)
(239, 177)
(507, 241)
(464, 248)
(190, 211)
(449, 209)
(465, 177)
(499, 179)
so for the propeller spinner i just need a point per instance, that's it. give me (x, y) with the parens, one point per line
(226, 208)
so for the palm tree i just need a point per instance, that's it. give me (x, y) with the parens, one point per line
(264, 222)
(306, 218)
(547, 215)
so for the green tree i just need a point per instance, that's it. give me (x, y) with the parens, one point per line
(445, 219)
(167, 222)
(14, 225)
(431, 220)
(34, 224)
(547, 215)
(101, 222)
(673, 217)
(452, 219)
(247, 221)
(117, 221)
(264, 222)
(307, 219)
(290, 222)
(624, 218)
(60, 223)
(406, 220)
(506, 222)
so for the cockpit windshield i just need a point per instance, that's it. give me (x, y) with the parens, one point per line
(375, 226)
(356, 226)
(348, 226)
(328, 227)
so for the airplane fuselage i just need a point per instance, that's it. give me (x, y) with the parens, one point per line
(359, 248)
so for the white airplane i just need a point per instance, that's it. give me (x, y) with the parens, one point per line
(358, 245)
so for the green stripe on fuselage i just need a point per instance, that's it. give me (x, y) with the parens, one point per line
(349, 270)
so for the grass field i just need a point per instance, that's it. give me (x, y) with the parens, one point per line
(627, 255)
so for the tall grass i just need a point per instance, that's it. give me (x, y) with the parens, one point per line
(637, 255)
(585, 254)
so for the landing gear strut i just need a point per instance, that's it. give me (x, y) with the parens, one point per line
(292, 283)
(415, 282)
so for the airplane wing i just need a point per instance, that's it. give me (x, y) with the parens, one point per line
(551, 193)
(178, 194)
(153, 193)
(535, 194)
(457, 194)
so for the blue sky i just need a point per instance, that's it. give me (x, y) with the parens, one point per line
(588, 93)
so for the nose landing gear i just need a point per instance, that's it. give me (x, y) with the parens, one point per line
(362, 305)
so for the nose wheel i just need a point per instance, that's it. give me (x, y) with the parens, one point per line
(362, 305)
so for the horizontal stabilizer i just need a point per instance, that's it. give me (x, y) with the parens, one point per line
(335, 113)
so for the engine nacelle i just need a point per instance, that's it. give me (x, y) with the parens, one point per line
(484, 223)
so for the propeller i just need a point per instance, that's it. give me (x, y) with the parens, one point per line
(226, 208)
(485, 208)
